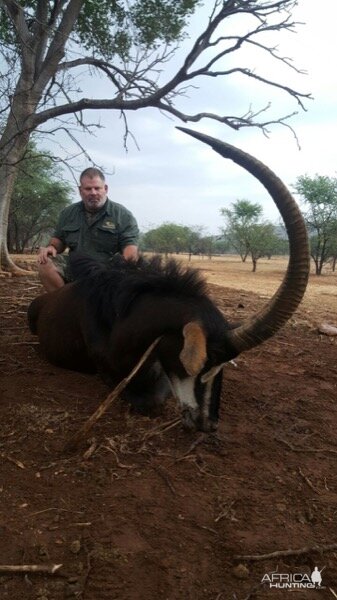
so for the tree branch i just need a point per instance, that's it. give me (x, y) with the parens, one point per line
(137, 86)
(56, 49)
(17, 16)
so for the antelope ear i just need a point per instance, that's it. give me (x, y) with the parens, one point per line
(193, 355)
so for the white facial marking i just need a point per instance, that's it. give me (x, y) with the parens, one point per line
(184, 390)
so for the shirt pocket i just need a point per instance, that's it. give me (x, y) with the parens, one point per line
(106, 240)
(71, 236)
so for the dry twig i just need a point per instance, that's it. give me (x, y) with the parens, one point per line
(309, 450)
(278, 553)
(161, 428)
(119, 463)
(83, 432)
(224, 513)
(307, 480)
(201, 438)
(51, 569)
(16, 462)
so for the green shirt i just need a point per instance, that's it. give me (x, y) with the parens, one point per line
(110, 230)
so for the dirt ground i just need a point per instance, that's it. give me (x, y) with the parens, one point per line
(147, 511)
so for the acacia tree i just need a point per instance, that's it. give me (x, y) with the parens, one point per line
(247, 234)
(319, 195)
(240, 219)
(262, 239)
(167, 238)
(46, 43)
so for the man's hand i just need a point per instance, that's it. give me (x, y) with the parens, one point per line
(130, 252)
(44, 253)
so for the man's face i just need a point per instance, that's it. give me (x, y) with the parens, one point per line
(93, 192)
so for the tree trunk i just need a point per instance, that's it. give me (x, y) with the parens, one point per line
(10, 239)
(318, 266)
(8, 173)
(334, 260)
(14, 142)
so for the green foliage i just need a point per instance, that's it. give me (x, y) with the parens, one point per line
(102, 25)
(261, 240)
(240, 220)
(38, 197)
(173, 238)
(160, 19)
(243, 211)
(167, 238)
(247, 234)
(319, 196)
(109, 27)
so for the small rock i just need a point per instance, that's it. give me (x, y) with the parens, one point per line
(75, 546)
(241, 572)
(43, 551)
(327, 329)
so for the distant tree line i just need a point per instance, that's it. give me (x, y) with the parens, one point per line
(40, 194)
(170, 238)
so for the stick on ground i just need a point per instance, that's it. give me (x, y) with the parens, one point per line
(81, 435)
(298, 552)
(30, 568)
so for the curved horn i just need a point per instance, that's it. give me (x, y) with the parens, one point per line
(286, 299)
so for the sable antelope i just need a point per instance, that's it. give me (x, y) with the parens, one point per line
(107, 318)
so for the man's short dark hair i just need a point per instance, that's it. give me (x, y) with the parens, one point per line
(92, 172)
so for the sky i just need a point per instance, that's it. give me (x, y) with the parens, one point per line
(174, 178)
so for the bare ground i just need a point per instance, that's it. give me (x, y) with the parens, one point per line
(146, 510)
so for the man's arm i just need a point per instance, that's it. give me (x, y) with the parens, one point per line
(55, 246)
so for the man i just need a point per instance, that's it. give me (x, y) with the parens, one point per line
(95, 226)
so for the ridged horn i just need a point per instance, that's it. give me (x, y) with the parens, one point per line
(286, 299)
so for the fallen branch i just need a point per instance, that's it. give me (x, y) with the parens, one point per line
(278, 553)
(81, 435)
(51, 569)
